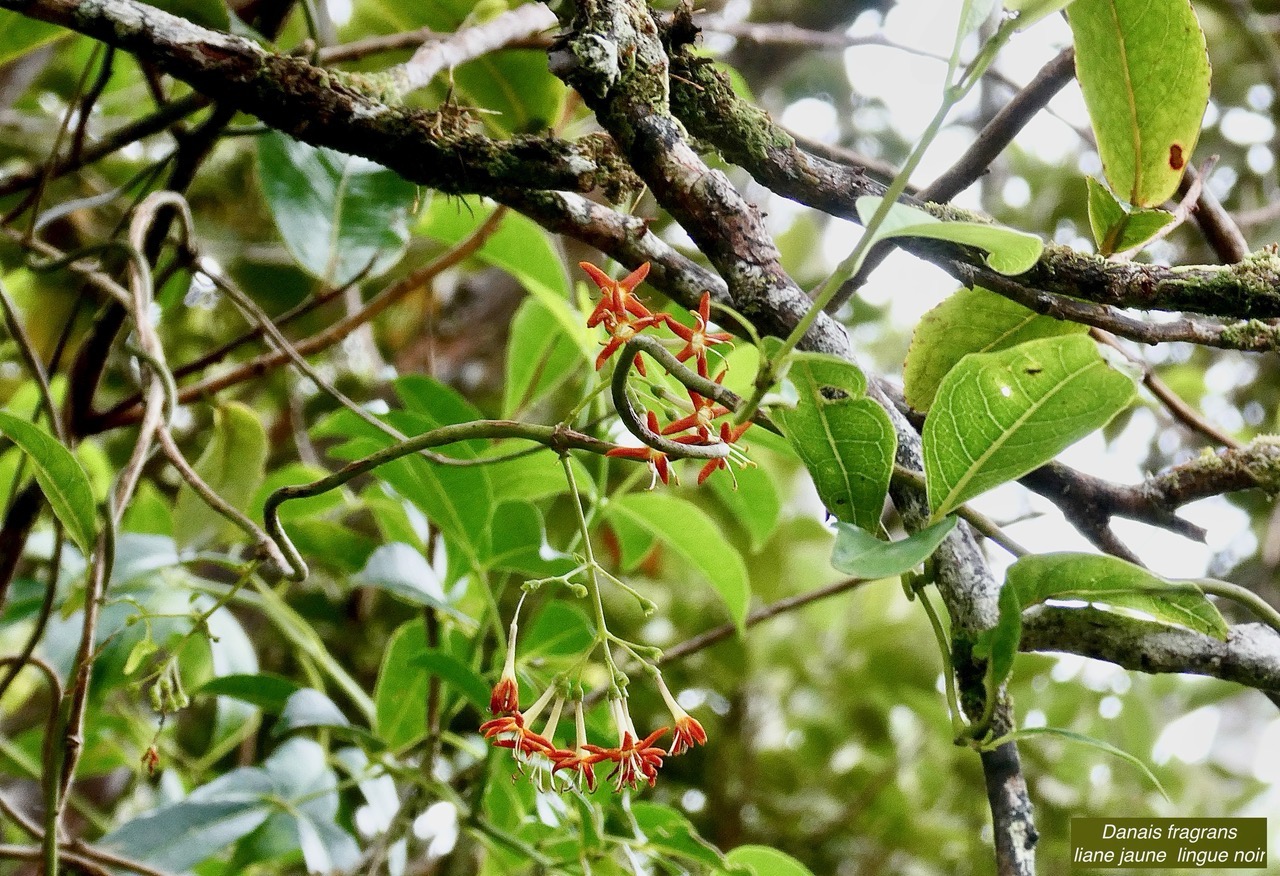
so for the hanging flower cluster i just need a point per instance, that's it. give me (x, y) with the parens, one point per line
(623, 317)
(635, 760)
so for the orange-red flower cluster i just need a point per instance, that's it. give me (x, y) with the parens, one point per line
(624, 316)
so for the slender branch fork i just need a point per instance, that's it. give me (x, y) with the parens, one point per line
(728, 230)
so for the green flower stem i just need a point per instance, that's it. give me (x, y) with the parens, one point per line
(602, 627)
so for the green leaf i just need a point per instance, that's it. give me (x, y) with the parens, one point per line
(1028, 732)
(211, 818)
(401, 690)
(1117, 583)
(669, 832)
(1031, 11)
(973, 320)
(1116, 229)
(308, 707)
(1098, 579)
(699, 542)
(521, 248)
(1144, 71)
(753, 502)
(1008, 251)
(862, 555)
(457, 675)
(999, 415)
(19, 35)
(60, 477)
(232, 466)
(845, 439)
(539, 356)
(973, 14)
(266, 691)
(402, 571)
(338, 214)
(763, 861)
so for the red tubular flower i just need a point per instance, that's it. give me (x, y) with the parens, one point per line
(704, 411)
(619, 333)
(521, 740)
(688, 732)
(657, 460)
(697, 339)
(617, 303)
(505, 698)
(580, 760)
(637, 760)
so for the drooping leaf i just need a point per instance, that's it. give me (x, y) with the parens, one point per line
(973, 320)
(339, 215)
(1144, 71)
(998, 415)
(1116, 229)
(1107, 580)
(699, 542)
(973, 14)
(301, 776)
(1083, 739)
(232, 465)
(1008, 251)
(862, 555)
(845, 439)
(61, 479)
(402, 571)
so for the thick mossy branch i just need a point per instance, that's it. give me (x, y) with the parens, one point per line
(328, 108)
(704, 100)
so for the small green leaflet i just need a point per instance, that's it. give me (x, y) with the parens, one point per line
(1008, 251)
(1116, 229)
(862, 555)
(1097, 579)
(973, 320)
(999, 415)
(1081, 738)
(845, 439)
(60, 477)
(1144, 71)
(686, 530)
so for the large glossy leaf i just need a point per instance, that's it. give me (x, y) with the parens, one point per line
(61, 479)
(699, 542)
(521, 248)
(668, 830)
(338, 214)
(970, 321)
(403, 571)
(1097, 579)
(862, 555)
(1008, 251)
(1144, 71)
(232, 465)
(457, 675)
(1115, 229)
(999, 415)
(844, 438)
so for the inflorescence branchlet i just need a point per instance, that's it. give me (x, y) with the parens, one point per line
(635, 759)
